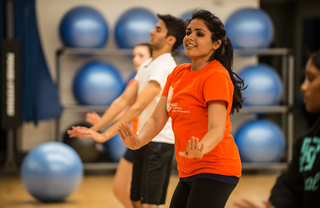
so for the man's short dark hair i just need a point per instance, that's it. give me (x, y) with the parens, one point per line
(176, 28)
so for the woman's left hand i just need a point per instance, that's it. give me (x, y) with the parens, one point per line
(194, 149)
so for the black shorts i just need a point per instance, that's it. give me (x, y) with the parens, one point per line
(128, 155)
(151, 173)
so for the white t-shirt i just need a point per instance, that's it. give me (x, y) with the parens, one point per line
(156, 70)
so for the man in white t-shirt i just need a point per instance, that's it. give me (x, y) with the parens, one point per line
(152, 162)
(155, 70)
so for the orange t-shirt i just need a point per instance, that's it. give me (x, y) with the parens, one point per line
(134, 123)
(189, 113)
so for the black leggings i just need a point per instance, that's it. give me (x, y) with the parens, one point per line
(204, 193)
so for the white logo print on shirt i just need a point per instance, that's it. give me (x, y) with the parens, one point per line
(170, 93)
(177, 109)
(173, 106)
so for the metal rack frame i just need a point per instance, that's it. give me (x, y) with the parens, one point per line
(286, 109)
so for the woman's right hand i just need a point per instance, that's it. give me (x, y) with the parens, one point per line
(129, 138)
(92, 117)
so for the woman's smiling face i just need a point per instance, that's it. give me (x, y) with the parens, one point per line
(198, 42)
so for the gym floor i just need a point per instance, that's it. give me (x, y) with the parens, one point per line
(95, 191)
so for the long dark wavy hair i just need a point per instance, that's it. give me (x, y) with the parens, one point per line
(224, 54)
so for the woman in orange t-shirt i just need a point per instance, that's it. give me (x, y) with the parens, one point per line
(199, 97)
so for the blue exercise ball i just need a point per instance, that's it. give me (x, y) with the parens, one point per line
(51, 171)
(264, 85)
(115, 148)
(260, 141)
(250, 28)
(83, 27)
(97, 83)
(133, 27)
